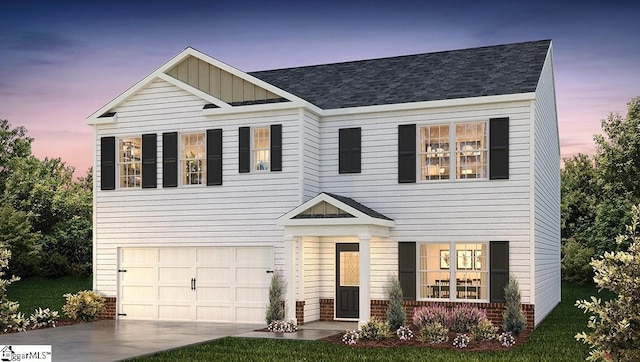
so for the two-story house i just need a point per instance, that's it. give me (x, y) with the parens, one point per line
(441, 169)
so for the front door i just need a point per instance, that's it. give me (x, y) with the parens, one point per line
(347, 280)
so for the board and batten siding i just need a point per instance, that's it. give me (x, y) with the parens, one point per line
(240, 212)
(546, 195)
(437, 211)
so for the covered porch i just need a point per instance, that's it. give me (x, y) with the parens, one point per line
(337, 257)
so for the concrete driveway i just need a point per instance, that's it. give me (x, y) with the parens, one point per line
(110, 340)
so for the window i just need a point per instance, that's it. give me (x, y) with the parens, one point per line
(260, 149)
(349, 150)
(192, 158)
(469, 159)
(130, 162)
(453, 271)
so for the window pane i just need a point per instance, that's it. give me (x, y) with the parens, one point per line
(471, 271)
(434, 152)
(130, 162)
(192, 158)
(471, 150)
(434, 261)
(260, 150)
(349, 268)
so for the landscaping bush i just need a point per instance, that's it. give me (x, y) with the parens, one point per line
(615, 325)
(423, 316)
(463, 318)
(10, 318)
(396, 315)
(513, 319)
(484, 331)
(375, 329)
(275, 308)
(43, 318)
(433, 333)
(85, 305)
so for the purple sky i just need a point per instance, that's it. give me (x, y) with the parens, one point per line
(62, 60)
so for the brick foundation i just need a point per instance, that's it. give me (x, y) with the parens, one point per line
(379, 310)
(300, 311)
(109, 308)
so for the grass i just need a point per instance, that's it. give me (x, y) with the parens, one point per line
(552, 341)
(45, 292)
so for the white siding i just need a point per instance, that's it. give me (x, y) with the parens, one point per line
(311, 156)
(463, 211)
(547, 195)
(312, 280)
(243, 211)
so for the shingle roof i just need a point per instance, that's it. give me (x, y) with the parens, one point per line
(493, 70)
(358, 206)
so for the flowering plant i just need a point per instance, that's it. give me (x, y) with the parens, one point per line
(404, 333)
(461, 341)
(506, 339)
(289, 326)
(351, 337)
(43, 318)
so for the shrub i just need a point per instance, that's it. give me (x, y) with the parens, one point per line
(461, 341)
(513, 319)
(433, 333)
(351, 337)
(423, 316)
(16, 322)
(463, 318)
(484, 331)
(575, 262)
(404, 333)
(43, 318)
(374, 329)
(275, 308)
(8, 309)
(289, 326)
(615, 325)
(85, 305)
(506, 339)
(396, 315)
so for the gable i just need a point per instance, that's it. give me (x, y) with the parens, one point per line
(322, 210)
(220, 83)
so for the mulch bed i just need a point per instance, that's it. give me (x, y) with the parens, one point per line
(474, 346)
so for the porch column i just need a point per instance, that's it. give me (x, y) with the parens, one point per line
(365, 279)
(289, 276)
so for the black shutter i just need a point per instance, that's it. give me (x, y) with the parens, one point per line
(276, 147)
(149, 167)
(170, 159)
(214, 157)
(349, 154)
(498, 269)
(407, 269)
(407, 153)
(499, 148)
(108, 163)
(244, 155)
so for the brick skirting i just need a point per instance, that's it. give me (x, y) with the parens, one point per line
(109, 308)
(379, 310)
(300, 311)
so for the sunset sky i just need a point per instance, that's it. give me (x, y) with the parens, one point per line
(62, 60)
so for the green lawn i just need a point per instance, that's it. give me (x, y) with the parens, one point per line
(552, 341)
(45, 292)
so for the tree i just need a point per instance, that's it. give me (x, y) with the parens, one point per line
(275, 308)
(580, 195)
(513, 319)
(396, 314)
(14, 144)
(615, 325)
(16, 236)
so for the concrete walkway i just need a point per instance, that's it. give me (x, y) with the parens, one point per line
(310, 331)
(110, 340)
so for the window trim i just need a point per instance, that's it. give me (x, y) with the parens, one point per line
(203, 159)
(452, 272)
(453, 152)
(119, 163)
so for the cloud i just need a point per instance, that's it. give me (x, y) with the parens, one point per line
(39, 42)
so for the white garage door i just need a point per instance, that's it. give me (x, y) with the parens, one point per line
(217, 284)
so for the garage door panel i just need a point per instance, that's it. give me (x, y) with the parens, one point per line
(215, 256)
(213, 275)
(250, 314)
(176, 294)
(139, 311)
(133, 293)
(214, 294)
(214, 313)
(252, 275)
(143, 275)
(143, 256)
(253, 257)
(174, 312)
(175, 274)
(175, 256)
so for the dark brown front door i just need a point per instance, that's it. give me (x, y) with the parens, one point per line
(347, 280)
